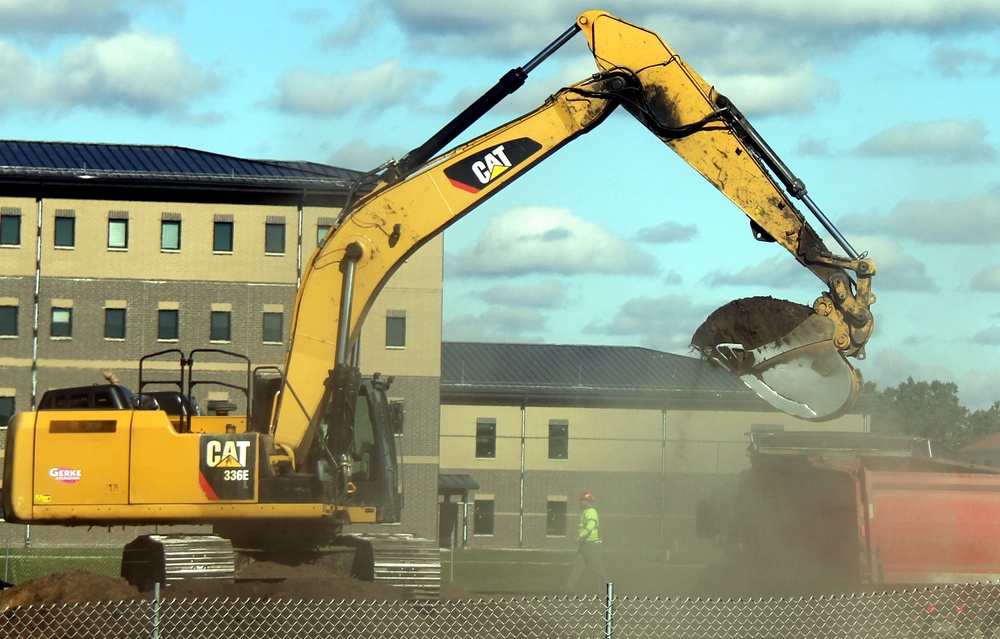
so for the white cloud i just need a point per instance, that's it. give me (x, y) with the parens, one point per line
(360, 155)
(975, 220)
(896, 270)
(989, 336)
(547, 293)
(783, 271)
(497, 325)
(663, 323)
(667, 233)
(950, 141)
(135, 71)
(958, 62)
(890, 366)
(386, 84)
(548, 240)
(44, 18)
(987, 279)
(978, 389)
(529, 19)
(794, 89)
(759, 54)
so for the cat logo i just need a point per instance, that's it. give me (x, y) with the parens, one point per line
(228, 467)
(474, 173)
(226, 454)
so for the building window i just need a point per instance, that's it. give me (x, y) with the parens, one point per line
(114, 323)
(558, 439)
(170, 234)
(321, 231)
(118, 233)
(10, 226)
(6, 412)
(222, 238)
(273, 327)
(168, 324)
(8, 321)
(62, 322)
(555, 518)
(395, 329)
(486, 438)
(274, 237)
(482, 519)
(65, 231)
(221, 326)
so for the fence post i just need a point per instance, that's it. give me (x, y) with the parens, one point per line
(156, 610)
(451, 564)
(609, 611)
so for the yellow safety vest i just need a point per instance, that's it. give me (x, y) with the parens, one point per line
(590, 524)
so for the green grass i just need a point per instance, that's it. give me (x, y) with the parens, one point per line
(507, 571)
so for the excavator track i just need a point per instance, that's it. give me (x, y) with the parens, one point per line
(408, 563)
(411, 564)
(169, 559)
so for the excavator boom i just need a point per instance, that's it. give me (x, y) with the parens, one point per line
(802, 371)
(417, 198)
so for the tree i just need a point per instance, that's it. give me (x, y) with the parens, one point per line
(925, 409)
(981, 424)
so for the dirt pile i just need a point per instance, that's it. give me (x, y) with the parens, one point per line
(259, 580)
(67, 588)
(752, 322)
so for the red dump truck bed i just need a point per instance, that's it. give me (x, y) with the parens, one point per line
(839, 512)
(931, 527)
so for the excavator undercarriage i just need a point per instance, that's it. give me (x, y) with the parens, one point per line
(408, 563)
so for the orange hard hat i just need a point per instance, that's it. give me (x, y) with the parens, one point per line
(587, 496)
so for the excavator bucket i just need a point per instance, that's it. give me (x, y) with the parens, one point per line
(785, 353)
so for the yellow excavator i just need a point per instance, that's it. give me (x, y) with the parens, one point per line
(288, 478)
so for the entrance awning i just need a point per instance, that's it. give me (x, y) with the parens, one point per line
(456, 484)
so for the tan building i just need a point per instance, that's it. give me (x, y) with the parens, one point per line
(140, 249)
(652, 434)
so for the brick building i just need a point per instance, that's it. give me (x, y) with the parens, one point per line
(651, 434)
(139, 249)
(112, 252)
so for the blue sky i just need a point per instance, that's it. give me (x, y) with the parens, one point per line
(887, 111)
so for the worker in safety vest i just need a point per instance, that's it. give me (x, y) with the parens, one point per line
(588, 537)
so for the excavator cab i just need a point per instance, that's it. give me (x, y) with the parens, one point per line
(367, 449)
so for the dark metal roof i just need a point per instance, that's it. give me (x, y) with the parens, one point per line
(82, 159)
(456, 484)
(581, 373)
(91, 170)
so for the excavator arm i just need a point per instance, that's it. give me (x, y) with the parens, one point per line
(407, 203)
(802, 369)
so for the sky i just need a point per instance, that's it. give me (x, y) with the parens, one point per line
(886, 111)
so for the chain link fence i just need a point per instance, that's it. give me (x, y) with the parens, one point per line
(956, 611)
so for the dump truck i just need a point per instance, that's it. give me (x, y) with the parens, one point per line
(834, 512)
